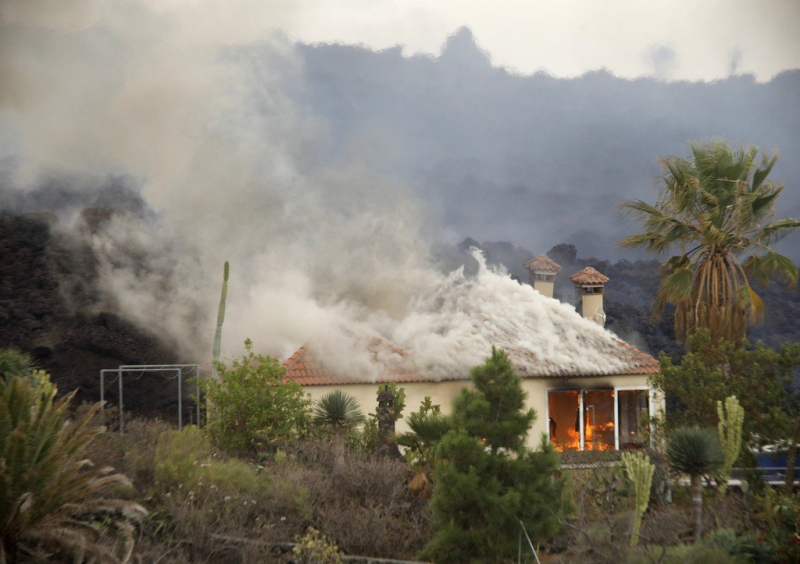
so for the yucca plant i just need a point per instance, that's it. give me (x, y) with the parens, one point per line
(716, 210)
(51, 497)
(696, 452)
(337, 410)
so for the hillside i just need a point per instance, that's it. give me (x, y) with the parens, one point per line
(52, 307)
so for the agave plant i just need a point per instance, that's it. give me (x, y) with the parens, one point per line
(338, 411)
(696, 452)
(50, 496)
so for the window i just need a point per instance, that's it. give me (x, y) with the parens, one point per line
(544, 277)
(634, 418)
(565, 420)
(598, 419)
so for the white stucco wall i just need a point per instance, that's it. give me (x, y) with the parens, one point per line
(442, 393)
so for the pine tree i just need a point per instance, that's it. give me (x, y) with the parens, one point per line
(487, 480)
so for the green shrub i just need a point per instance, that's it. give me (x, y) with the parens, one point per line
(251, 407)
(700, 553)
(364, 436)
(316, 548)
(182, 456)
(747, 546)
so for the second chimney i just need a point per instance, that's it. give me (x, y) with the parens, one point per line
(542, 275)
(589, 283)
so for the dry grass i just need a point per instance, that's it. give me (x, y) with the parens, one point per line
(367, 511)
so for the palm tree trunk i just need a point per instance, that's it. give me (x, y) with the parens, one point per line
(697, 505)
(338, 450)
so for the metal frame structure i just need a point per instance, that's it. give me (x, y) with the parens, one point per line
(178, 369)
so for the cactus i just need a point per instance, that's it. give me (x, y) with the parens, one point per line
(220, 320)
(731, 420)
(640, 471)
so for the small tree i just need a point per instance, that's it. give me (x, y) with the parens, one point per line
(428, 426)
(252, 407)
(729, 428)
(487, 480)
(696, 452)
(338, 411)
(760, 377)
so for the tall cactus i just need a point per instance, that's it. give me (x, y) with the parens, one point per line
(220, 321)
(640, 471)
(731, 421)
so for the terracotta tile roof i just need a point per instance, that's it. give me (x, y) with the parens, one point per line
(589, 276)
(543, 263)
(305, 368)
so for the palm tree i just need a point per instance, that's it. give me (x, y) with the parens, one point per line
(338, 411)
(716, 209)
(51, 497)
(427, 430)
(696, 452)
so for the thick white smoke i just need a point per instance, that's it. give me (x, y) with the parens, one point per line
(230, 165)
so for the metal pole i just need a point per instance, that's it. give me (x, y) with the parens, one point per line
(102, 389)
(180, 400)
(121, 424)
(197, 401)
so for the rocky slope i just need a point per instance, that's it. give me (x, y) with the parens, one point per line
(52, 307)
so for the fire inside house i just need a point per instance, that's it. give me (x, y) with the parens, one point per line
(599, 419)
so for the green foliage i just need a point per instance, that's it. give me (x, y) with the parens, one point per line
(251, 407)
(50, 495)
(337, 409)
(495, 409)
(363, 437)
(760, 378)
(220, 319)
(15, 364)
(181, 456)
(695, 451)
(698, 553)
(428, 426)
(729, 428)
(745, 546)
(399, 398)
(316, 548)
(487, 481)
(714, 209)
(782, 518)
(640, 471)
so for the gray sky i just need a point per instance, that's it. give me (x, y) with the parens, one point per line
(675, 39)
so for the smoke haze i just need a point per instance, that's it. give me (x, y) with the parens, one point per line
(325, 173)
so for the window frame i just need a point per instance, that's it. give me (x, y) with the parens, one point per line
(616, 389)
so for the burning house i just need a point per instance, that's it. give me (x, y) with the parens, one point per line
(590, 389)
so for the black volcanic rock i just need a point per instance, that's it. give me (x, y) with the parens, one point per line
(51, 307)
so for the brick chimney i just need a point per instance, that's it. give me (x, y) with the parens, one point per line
(589, 283)
(542, 274)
